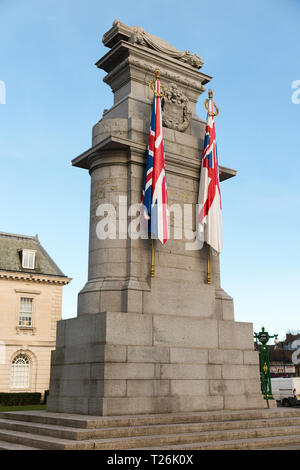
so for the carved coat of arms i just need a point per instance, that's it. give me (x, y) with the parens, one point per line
(176, 111)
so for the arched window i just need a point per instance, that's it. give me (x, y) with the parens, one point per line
(20, 371)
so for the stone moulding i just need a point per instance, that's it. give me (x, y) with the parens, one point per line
(31, 277)
(26, 330)
(170, 76)
(150, 68)
(93, 158)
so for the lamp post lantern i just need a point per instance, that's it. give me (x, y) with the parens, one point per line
(264, 359)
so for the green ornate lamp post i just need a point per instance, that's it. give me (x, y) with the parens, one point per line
(263, 337)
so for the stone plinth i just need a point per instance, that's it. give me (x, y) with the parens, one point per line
(143, 345)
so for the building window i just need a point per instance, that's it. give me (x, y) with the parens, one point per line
(20, 372)
(28, 259)
(26, 310)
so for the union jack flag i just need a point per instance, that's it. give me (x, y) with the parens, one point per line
(209, 199)
(155, 198)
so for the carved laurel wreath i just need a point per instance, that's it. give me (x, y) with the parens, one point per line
(174, 95)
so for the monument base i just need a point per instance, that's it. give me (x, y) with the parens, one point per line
(271, 404)
(126, 363)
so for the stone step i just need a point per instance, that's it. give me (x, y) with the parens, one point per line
(267, 443)
(42, 442)
(194, 440)
(190, 438)
(93, 422)
(286, 446)
(217, 430)
(66, 432)
(12, 446)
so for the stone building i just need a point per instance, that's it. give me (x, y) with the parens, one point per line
(284, 357)
(30, 305)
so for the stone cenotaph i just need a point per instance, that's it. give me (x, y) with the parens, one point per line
(143, 344)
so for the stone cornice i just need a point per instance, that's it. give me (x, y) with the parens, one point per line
(96, 157)
(33, 343)
(194, 80)
(34, 278)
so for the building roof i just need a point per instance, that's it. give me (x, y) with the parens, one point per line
(11, 246)
(280, 355)
(289, 339)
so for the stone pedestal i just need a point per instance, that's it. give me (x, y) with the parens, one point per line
(142, 345)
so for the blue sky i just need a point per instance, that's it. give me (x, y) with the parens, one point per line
(55, 94)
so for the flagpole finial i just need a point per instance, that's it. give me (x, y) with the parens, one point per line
(209, 109)
(152, 85)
